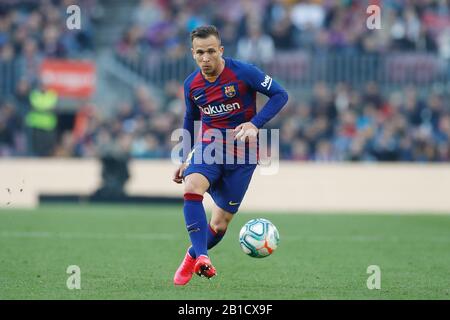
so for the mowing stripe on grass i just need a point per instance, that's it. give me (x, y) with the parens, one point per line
(169, 236)
(84, 235)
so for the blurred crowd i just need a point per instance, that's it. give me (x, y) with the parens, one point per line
(31, 31)
(343, 124)
(334, 124)
(252, 29)
(331, 123)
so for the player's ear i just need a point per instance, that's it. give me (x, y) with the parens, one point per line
(192, 51)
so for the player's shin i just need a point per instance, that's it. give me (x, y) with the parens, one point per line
(196, 223)
(213, 238)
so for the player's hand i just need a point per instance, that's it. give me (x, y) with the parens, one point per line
(246, 131)
(178, 175)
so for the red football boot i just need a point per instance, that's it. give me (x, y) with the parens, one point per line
(185, 271)
(204, 267)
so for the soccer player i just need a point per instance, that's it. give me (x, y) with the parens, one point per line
(222, 94)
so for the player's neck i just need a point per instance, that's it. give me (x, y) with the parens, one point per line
(213, 77)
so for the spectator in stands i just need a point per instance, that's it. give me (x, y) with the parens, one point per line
(280, 26)
(256, 47)
(11, 131)
(42, 121)
(333, 122)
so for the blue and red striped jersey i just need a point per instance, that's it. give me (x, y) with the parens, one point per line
(231, 99)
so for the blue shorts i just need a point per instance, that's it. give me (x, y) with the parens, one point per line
(227, 182)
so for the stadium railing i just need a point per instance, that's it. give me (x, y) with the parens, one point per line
(301, 69)
(297, 70)
(10, 73)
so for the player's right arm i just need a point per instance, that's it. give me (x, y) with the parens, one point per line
(191, 115)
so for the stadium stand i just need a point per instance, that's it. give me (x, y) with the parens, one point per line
(356, 95)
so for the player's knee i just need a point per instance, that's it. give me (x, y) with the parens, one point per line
(191, 186)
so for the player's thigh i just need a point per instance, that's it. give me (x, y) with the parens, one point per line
(229, 193)
(199, 177)
(220, 219)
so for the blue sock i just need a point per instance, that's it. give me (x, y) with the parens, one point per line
(213, 238)
(196, 224)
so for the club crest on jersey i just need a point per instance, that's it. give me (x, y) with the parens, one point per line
(230, 90)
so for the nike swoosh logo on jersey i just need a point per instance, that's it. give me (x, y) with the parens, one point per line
(198, 97)
(231, 203)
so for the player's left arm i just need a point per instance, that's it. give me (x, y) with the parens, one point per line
(191, 115)
(266, 85)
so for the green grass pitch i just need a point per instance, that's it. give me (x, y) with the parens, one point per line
(131, 252)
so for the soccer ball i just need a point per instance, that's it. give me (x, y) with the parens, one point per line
(259, 238)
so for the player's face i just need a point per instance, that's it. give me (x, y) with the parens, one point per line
(208, 54)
